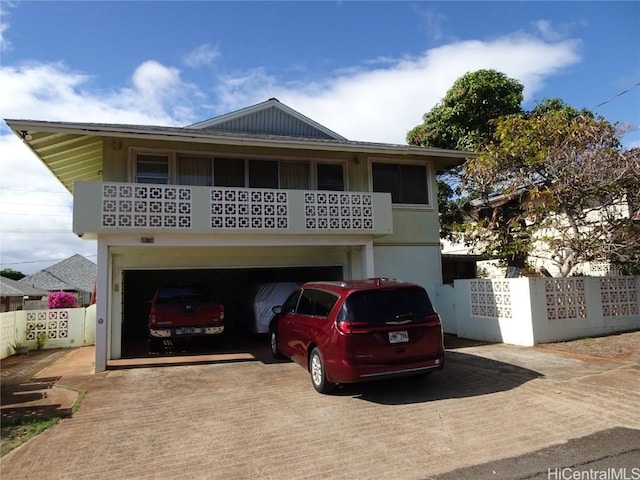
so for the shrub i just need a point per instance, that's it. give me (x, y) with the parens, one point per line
(62, 300)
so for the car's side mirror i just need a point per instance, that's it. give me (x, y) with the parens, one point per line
(277, 309)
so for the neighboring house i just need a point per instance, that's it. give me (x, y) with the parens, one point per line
(75, 275)
(15, 295)
(541, 258)
(263, 194)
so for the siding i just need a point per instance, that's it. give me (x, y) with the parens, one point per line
(270, 121)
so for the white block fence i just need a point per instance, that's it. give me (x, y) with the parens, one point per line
(64, 328)
(528, 311)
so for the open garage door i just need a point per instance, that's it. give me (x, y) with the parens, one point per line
(235, 287)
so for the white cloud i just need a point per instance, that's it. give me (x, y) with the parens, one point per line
(372, 103)
(202, 56)
(382, 104)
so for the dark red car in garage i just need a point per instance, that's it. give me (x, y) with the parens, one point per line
(358, 330)
(184, 311)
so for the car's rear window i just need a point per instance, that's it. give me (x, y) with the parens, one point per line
(382, 306)
(176, 295)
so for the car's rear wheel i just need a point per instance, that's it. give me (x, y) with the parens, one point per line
(318, 374)
(275, 350)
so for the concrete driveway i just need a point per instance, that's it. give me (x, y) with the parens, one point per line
(247, 417)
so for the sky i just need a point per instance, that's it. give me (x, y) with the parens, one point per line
(366, 70)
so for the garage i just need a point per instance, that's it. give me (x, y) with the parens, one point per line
(234, 287)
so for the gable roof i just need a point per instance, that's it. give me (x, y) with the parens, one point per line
(76, 273)
(73, 151)
(268, 118)
(14, 288)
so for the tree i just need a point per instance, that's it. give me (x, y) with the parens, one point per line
(567, 180)
(12, 274)
(461, 121)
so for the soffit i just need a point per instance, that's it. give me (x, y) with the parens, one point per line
(70, 157)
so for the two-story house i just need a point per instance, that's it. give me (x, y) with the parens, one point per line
(260, 194)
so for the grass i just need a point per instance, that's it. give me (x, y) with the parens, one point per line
(15, 433)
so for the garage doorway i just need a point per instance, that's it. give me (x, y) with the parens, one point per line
(234, 286)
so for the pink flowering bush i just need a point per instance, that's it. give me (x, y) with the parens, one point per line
(62, 300)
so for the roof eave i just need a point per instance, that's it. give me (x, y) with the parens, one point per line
(191, 135)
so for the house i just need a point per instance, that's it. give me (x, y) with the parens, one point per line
(75, 274)
(14, 294)
(262, 194)
(541, 259)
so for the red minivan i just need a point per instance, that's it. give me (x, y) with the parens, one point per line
(184, 311)
(358, 330)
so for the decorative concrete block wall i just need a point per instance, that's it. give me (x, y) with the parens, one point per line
(527, 311)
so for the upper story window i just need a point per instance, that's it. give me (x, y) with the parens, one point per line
(202, 170)
(407, 183)
(330, 176)
(193, 171)
(152, 169)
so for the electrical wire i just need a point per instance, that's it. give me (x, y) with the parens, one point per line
(616, 96)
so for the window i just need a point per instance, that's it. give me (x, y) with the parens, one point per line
(289, 306)
(228, 172)
(152, 169)
(316, 303)
(207, 170)
(294, 175)
(406, 183)
(330, 176)
(263, 174)
(380, 306)
(193, 171)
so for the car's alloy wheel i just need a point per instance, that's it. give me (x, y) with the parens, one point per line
(318, 374)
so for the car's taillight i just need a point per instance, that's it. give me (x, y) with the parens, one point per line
(344, 326)
(152, 317)
(349, 326)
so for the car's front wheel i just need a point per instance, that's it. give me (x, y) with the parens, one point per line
(275, 350)
(318, 374)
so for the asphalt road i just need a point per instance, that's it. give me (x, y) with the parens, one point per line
(612, 454)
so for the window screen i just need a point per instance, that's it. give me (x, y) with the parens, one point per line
(405, 183)
(228, 172)
(263, 174)
(330, 177)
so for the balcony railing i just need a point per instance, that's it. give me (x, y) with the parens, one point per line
(141, 208)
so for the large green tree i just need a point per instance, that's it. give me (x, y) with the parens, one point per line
(461, 121)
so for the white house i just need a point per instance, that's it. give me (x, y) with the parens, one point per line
(260, 194)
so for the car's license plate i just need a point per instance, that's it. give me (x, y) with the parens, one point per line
(188, 330)
(399, 337)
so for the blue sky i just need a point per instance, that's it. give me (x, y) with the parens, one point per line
(367, 70)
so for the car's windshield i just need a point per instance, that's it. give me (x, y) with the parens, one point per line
(170, 295)
(387, 306)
